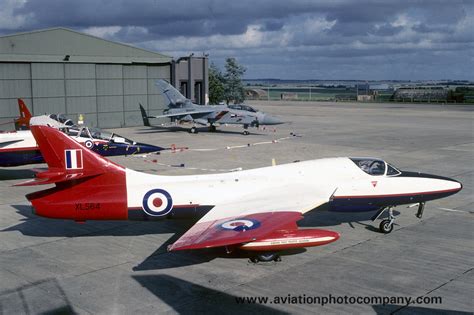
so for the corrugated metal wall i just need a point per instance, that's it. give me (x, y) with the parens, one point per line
(107, 94)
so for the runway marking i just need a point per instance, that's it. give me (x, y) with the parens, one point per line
(146, 157)
(175, 149)
(454, 210)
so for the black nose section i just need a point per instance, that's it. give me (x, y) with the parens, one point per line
(146, 148)
(424, 175)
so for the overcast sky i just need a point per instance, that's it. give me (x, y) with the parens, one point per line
(288, 39)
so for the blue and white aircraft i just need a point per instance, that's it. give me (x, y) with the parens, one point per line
(19, 147)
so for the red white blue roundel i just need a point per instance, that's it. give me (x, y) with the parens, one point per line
(157, 202)
(89, 144)
(240, 224)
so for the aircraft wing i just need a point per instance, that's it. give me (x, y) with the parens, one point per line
(9, 141)
(195, 112)
(249, 219)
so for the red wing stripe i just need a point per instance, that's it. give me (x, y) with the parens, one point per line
(219, 116)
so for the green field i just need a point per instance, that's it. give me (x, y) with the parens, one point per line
(307, 94)
(340, 94)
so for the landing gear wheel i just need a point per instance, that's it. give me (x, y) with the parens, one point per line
(265, 257)
(245, 133)
(386, 226)
(193, 130)
(212, 128)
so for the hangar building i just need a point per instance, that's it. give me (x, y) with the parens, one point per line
(63, 71)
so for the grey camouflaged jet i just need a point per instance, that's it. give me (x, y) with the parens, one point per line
(180, 109)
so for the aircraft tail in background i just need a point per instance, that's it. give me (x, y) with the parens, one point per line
(146, 122)
(23, 122)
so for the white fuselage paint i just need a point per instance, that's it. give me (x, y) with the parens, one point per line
(302, 185)
(23, 139)
(17, 140)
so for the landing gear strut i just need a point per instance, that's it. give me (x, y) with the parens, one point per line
(265, 257)
(421, 208)
(386, 226)
(246, 132)
(212, 128)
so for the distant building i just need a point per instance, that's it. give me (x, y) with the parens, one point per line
(364, 93)
(365, 98)
(256, 94)
(63, 71)
(421, 94)
(288, 96)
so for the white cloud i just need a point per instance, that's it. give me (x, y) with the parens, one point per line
(103, 31)
(8, 19)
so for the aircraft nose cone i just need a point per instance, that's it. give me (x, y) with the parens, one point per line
(444, 186)
(449, 183)
(450, 186)
(146, 148)
(270, 120)
(456, 186)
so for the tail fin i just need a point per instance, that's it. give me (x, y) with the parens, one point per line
(146, 122)
(174, 96)
(23, 122)
(67, 159)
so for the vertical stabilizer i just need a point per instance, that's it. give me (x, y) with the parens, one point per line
(146, 122)
(23, 122)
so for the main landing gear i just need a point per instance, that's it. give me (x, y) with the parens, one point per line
(265, 257)
(246, 132)
(386, 226)
(193, 130)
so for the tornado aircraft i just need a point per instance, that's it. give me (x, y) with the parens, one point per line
(181, 110)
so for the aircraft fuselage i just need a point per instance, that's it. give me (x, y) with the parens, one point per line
(138, 196)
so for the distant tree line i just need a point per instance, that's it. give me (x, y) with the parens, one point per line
(227, 86)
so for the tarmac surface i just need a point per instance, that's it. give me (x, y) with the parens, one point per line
(56, 266)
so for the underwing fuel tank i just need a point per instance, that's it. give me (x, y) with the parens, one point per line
(281, 240)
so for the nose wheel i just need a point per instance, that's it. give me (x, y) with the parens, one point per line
(386, 226)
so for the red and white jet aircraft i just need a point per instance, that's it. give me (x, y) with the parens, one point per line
(254, 210)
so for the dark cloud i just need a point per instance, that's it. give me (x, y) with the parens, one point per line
(272, 25)
(281, 38)
(386, 30)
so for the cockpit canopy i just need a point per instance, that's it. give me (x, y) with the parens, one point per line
(62, 119)
(243, 107)
(96, 133)
(375, 167)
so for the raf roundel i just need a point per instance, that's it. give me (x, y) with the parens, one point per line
(157, 202)
(240, 225)
(89, 144)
